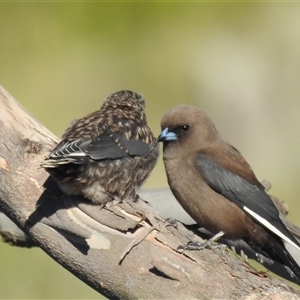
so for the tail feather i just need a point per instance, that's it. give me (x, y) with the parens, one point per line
(289, 260)
(55, 163)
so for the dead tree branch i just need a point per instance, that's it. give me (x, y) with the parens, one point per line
(124, 252)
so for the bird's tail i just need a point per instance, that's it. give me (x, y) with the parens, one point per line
(288, 259)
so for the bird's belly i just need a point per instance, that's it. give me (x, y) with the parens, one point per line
(208, 208)
(115, 179)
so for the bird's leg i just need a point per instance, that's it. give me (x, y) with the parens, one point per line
(114, 201)
(136, 198)
(208, 244)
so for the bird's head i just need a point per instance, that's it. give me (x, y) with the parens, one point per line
(127, 103)
(185, 129)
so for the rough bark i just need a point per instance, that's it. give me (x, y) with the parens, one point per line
(124, 252)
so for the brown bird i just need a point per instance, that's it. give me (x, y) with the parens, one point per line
(217, 187)
(107, 155)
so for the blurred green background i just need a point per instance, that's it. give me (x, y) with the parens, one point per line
(240, 62)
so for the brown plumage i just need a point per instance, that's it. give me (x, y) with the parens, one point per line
(217, 187)
(107, 155)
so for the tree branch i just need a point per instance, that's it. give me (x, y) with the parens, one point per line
(124, 252)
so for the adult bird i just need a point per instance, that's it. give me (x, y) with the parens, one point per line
(217, 187)
(107, 155)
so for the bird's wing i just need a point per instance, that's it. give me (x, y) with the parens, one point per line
(231, 159)
(247, 196)
(133, 146)
(106, 146)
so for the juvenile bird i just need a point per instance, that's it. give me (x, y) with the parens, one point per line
(217, 187)
(107, 155)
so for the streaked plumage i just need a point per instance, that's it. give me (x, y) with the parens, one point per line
(107, 155)
(217, 187)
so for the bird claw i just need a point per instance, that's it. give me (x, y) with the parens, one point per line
(171, 222)
(110, 203)
(208, 244)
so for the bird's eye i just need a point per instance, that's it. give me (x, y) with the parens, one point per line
(184, 128)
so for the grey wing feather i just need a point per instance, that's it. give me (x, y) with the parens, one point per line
(134, 147)
(106, 146)
(115, 146)
(103, 147)
(67, 149)
(240, 191)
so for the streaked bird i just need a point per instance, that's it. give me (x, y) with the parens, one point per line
(217, 187)
(107, 155)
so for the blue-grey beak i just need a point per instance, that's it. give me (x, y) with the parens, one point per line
(166, 136)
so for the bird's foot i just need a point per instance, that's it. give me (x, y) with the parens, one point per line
(136, 198)
(171, 222)
(208, 244)
(112, 203)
